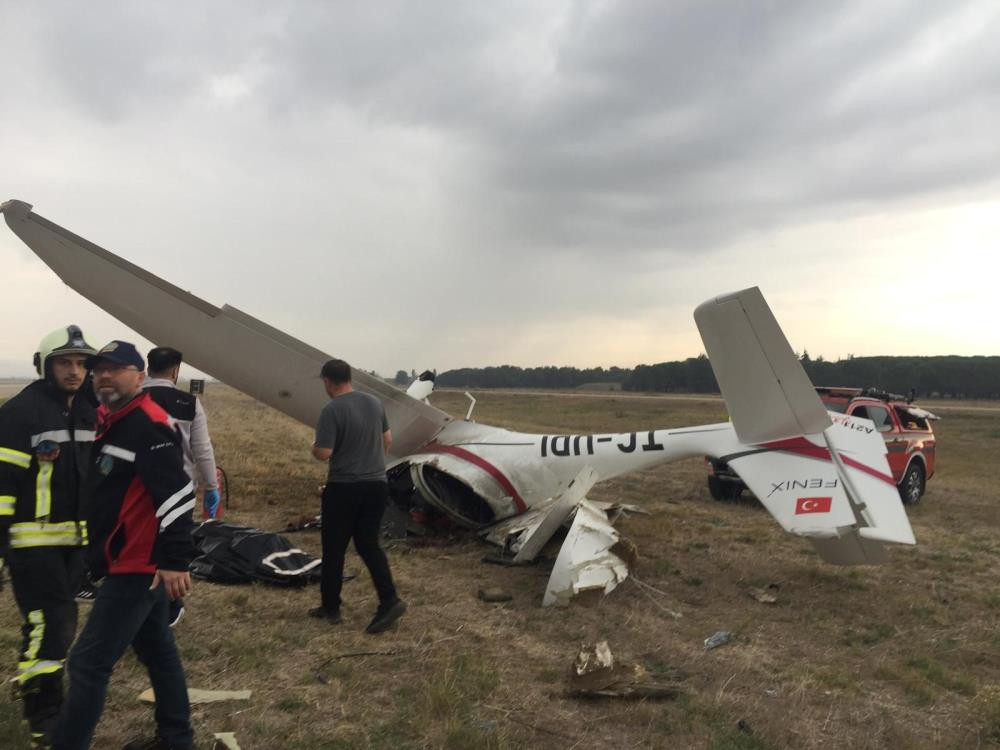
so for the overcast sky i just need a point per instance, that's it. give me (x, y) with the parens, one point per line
(437, 185)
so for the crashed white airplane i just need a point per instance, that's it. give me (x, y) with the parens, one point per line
(823, 476)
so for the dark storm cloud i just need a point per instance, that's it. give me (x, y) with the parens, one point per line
(647, 125)
(634, 125)
(681, 126)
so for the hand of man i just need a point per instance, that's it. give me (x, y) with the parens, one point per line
(177, 583)
(210, 504)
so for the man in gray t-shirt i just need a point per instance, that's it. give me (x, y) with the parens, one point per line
(353, 435)
(355, 424)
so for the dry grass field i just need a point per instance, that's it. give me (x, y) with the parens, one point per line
(906, 655)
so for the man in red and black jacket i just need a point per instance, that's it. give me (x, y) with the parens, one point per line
(140, 502)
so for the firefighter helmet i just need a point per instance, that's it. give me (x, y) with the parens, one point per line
(67, 340)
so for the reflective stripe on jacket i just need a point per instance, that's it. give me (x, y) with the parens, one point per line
(37, 498)
(140, 496)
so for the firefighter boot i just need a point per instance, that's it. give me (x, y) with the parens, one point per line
(42, 697)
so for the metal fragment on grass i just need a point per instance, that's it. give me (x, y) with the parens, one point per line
(721, 638)
(762, 595)
(196, 696)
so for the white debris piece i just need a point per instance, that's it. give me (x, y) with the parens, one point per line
(586, 561)
(524, 536)
(225, 741)
(593, 659)
(509, 533)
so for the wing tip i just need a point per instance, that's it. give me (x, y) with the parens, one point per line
(15, 208)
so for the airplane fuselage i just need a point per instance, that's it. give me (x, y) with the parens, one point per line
(513, 471)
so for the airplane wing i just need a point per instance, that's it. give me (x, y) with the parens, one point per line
(228, 344)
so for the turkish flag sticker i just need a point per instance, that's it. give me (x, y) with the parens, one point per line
(813, 505)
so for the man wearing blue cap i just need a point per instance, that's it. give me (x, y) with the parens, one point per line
(140, 546)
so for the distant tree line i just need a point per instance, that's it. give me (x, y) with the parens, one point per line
(507, 376)
(956, 377)
(952, 376)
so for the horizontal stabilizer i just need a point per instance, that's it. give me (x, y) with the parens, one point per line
(767, 393)
(861, 456)
(228, 344)
(835, 489)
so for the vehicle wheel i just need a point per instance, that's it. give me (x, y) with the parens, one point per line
(724, 492)
(911, 488)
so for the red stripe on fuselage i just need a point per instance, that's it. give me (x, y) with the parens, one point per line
(868, 470)
(803, 447)
(483, 464)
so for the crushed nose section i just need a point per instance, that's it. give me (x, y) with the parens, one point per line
(451, 496)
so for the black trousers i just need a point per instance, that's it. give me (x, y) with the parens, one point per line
(45, 581)
(353, 510)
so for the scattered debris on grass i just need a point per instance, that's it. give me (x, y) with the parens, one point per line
(766, 595)
(495, 594)
(721, 638)
(302, 523)
(596, 675)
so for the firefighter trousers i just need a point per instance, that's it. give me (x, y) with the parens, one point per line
(45, 582)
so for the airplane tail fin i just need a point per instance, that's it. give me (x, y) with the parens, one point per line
(768, 394)
(824, 479)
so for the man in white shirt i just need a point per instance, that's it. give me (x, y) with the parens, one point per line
(187, 417)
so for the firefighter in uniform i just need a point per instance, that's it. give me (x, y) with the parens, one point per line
(46, 434)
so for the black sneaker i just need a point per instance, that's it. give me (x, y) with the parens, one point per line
(176, 612)
(386, 616)
(332, 616)
(87, 593)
